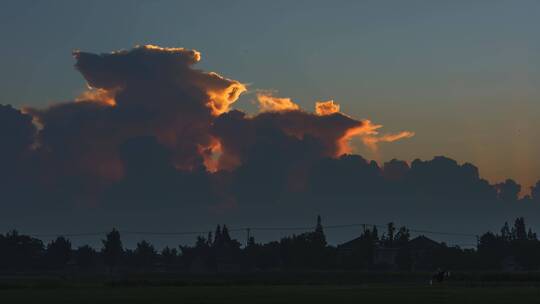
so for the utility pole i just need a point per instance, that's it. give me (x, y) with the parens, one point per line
(248, 236)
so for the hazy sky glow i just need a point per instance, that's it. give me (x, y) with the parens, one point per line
(464, 76)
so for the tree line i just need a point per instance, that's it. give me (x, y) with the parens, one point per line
(513, 248)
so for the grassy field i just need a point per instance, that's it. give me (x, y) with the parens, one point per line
(274, 294)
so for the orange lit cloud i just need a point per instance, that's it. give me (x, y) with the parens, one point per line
(334, 129)
(269, 103)
(211, 155)
(193, 54)
(98, 95)
(222, 92)
(369, 135)
(366, 128)
(326, 107)
(372, 141)
(328, 129)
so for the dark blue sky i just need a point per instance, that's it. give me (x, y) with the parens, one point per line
(463, 75)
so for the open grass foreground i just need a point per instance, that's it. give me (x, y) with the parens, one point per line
(274, 294)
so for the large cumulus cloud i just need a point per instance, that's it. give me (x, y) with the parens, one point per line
(152, 129)
(155, 143)
(155, 91)
(147, 91)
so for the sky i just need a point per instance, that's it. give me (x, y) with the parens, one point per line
(462, 75)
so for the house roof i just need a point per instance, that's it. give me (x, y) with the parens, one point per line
(422, 242)
(350, 244)
(418, 243)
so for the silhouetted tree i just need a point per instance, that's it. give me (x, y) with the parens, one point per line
(531, 235)
(389, 237)
(506, 234)
(169, 255)
(361, 250)
(85, 257)
(58, 252)
(112, 249)
(374, 233)
(401, 241)
(226, 238)
(318, 236)
(519, 232)
(218, 239)
(201, 242)
(402, 236)
(209, 238)
(145, 255)
(20, 251)
(250, 242)
(492, 249)
(519, 244)
(307, 251)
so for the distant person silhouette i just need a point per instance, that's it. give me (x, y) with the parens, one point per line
(439, 276)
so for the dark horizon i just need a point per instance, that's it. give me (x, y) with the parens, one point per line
(374, 248)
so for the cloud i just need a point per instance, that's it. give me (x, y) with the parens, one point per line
(333, 130)
(269, 103)
(153, 99)
(239, 132)
(147, 67)
(146, 91)
(102, 96)
(155, 91)
(154, 136)
(326, 108)
(373, 141)
(17, 132)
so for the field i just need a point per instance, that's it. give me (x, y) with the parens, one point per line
(274, 294)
